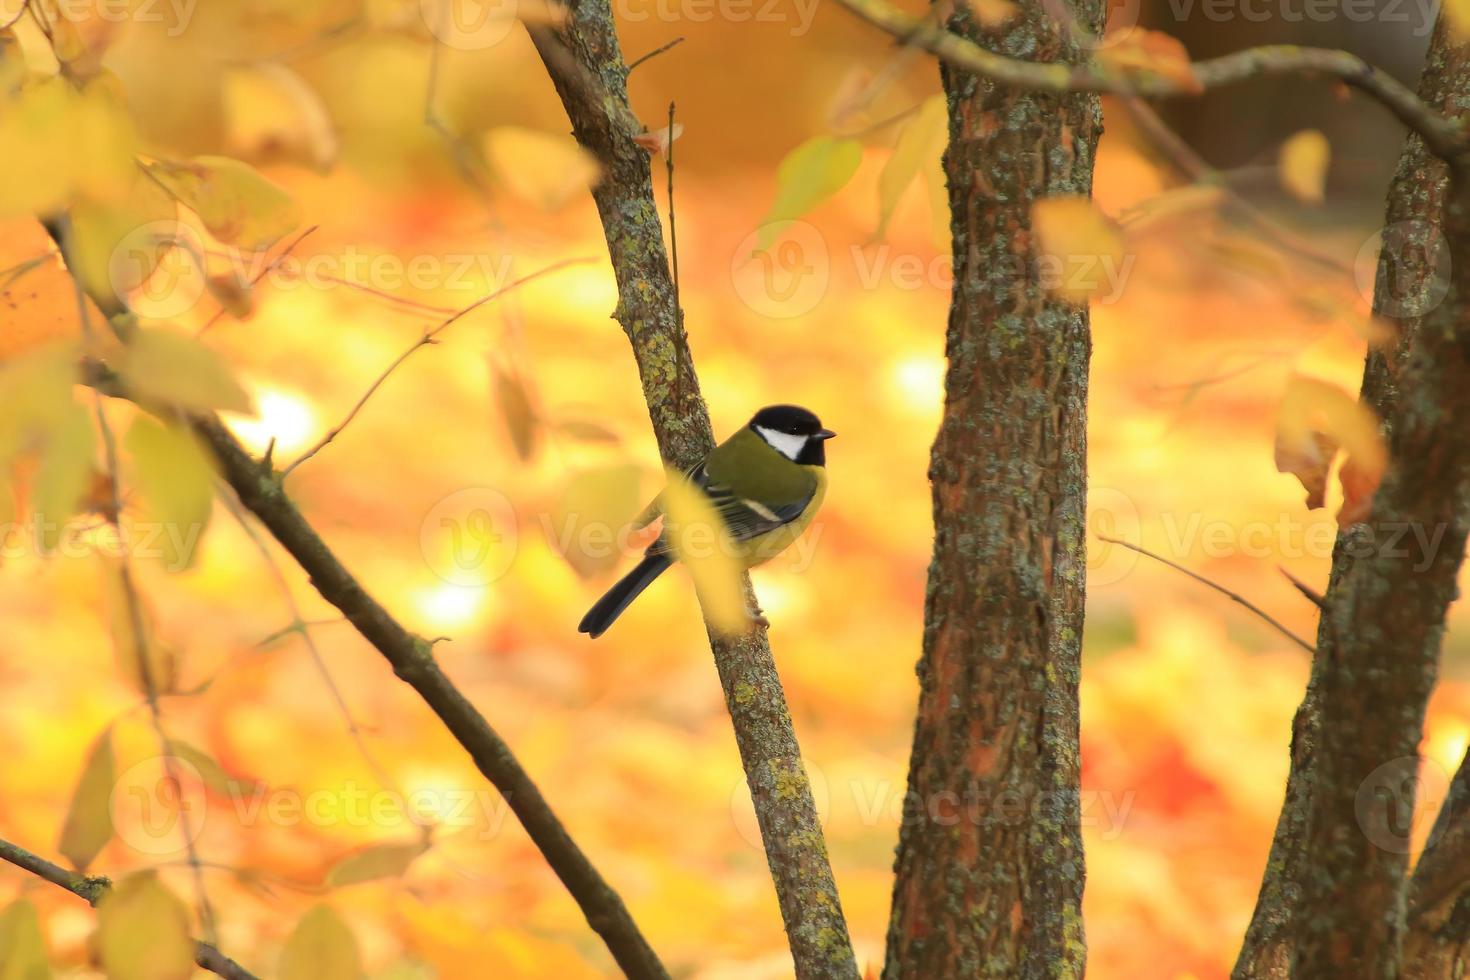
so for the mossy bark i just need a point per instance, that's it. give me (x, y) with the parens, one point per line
(990, 866)
(586, 64)
(1409, 282)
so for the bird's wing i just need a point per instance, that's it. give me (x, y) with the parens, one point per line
(746, 518)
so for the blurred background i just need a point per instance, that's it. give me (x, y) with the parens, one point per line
(448, 492)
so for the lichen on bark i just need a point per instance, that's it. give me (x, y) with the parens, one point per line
(989, 871)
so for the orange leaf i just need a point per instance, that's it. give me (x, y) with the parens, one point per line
(1139, 51)
(659, 140)
(1315, 418)
(1081, 247)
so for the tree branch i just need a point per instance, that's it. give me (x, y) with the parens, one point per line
(1438, 939)
(259, 490)
(586, 66)
(91, 888)
(1235, 597)
(1406, 271)
(1445, 137)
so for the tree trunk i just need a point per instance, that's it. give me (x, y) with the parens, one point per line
(989, 866)
(1407, 284)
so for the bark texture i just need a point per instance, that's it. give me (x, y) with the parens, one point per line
(990, 866)
(1437, 946)
(587, 67)
(1409, 278)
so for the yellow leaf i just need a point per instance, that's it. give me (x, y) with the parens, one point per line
(1079, 246)
(61, 142)
(992, 13)
(22, 945)
(809, 174)
(130, 626)
(116, 242)
(231, 198)
(1457, 12)
(321, 947)
(1314, 419)
(88, 824)
(167, 367)
(13, 68)
(585, 430)
(1139, 51)
(920, 142)
(210, 773)
(176, 481)
(542, 169)
(38, 396)
(587, 521)
(699, 539)
(1302, 166)
(517, 409)
(64, 474)
(143, 931)
(375, 862)
(236, 295)
(272, 114)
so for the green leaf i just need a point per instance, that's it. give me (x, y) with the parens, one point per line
(176, 481)
(517, 409)
(375, 862)
(321, 948)
(231, 198)
(88, 825)
(22, 945)
(143, 931)
(920, 142)
(162, 366)
(810, 174)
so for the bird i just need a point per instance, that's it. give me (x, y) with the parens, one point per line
(765, 482)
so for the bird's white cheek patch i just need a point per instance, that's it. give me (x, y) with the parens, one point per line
(784, 443)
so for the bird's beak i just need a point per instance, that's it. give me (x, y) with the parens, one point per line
(825, 434)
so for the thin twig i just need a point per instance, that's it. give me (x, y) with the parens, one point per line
(673, 233)
(655, 53)
(140, 639)
(1232, 596)
(91, 888)
(263, 273)
(1197, 169)
(301, 626)
(1312, 595)
(423, 341)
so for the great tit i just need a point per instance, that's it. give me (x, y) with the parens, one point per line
(765, 483)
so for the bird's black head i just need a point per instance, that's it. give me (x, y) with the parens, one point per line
(794, 432)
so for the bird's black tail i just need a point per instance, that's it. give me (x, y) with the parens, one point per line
(611, 605)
